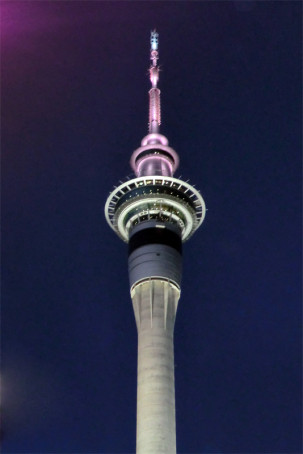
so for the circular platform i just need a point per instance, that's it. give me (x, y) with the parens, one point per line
(166, 199)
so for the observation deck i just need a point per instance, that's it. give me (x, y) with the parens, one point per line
(162, 198)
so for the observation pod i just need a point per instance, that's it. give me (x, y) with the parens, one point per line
(155, 213)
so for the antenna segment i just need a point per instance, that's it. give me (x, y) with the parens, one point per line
(155, 156)
(154, 92)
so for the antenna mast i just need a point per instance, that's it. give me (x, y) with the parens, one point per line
(154, 92)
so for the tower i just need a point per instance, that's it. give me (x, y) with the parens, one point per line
(155, 213)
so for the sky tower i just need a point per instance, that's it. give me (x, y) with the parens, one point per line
(155, 213)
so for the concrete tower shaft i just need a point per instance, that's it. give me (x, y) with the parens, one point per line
(155, 304)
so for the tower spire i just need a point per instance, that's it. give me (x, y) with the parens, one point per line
(154, 92)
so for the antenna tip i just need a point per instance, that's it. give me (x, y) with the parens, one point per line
(154, 39)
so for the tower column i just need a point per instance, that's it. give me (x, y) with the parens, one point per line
(155, 213)
(155, 304)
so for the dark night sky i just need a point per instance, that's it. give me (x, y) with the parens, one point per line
(74, 107)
